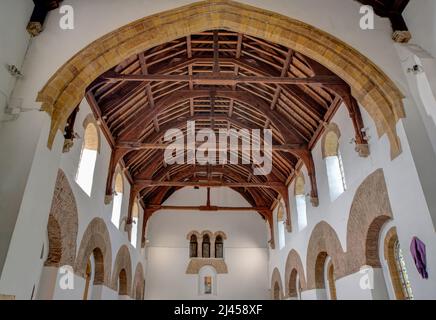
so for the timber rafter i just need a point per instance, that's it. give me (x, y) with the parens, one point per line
(220, 80)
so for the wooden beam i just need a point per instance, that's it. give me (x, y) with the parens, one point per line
(221, 79)
(206, 208)
(208, 183)
(131, 145)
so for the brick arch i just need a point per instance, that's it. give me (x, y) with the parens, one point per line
(138, 283)
(369, 212)
(323, 242)
(62, 225)
(294, 266)
(370, 86)
(95, 239)
(122, 262)
(276, 279)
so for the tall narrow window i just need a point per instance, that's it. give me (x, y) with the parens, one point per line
(208, 285)
(88, 158)
(300, 200)
(402, 271)
(135, 220)
(118, 200)
(206, 246)
(193, 247)
(397, 266)
(335, 168)
(281, 227)
(219, 247)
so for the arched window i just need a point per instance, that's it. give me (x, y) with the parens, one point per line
(333, 159)
(193, 247)
(88, 158)
(397, 267)
(401, 268)
(219, 247)
(281, 226)
(135, 221)
(118, 200)
(300, 200)
(206, 246)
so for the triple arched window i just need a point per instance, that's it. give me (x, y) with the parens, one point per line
(206, 244)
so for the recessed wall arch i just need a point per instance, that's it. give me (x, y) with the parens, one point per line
(122, 262)
(370, 86)
(276, 285)
(62, 225)
(138, 287)
(95, 239)
(323, 242)
(294, 264)
(369, 212)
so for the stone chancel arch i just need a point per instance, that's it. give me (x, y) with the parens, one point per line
(370, 86)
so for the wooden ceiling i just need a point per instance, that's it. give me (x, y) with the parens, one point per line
(220, 79)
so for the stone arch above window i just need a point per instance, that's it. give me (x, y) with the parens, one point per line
(119, 183)
(370, 211)
(276, 285)
(95, 239)
(91, 133)
(62, 224)
(330, 140)
(220, 233)
(294, 263)
(300, 185)
(323, 242)
(122, 262)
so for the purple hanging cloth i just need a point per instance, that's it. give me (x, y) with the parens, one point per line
(417, 248)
